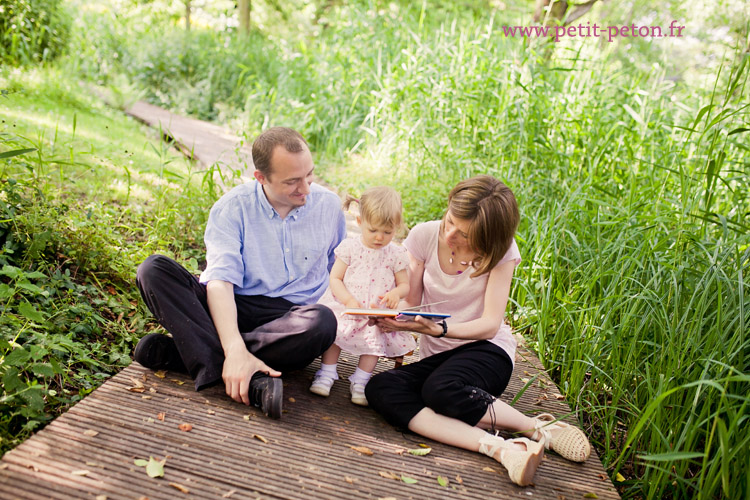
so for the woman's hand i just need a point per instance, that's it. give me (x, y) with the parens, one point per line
(419, 325)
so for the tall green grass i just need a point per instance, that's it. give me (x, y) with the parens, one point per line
(632, 176)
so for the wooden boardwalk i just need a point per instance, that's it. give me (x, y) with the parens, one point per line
(318, 449)
(321, 448)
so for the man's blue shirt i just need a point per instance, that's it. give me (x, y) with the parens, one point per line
(249, 245)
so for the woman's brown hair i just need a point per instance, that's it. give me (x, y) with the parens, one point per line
(492, 212)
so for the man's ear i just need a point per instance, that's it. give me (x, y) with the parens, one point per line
(259, 176)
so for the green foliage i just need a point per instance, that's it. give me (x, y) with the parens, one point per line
(32, 31)
(70, 242)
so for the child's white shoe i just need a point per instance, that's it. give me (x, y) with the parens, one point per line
(358, 394)
(321, 385)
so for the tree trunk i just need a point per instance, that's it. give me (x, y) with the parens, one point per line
(187, 15)
(244, 6)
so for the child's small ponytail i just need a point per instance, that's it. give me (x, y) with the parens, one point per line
(349, 200)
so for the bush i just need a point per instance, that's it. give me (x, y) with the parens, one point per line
(32, 31)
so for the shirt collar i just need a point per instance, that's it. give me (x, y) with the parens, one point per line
(268, 209)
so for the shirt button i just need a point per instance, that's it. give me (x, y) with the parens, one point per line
(287, 250)
(291, 277)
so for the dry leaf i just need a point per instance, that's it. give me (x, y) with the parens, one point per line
(260, 438)
(459, 480)
(161, 416)
(363, 450)
(292, 400)
(4, 466)
(178, 382)
(228, 493)
(325, 418)
(179, 487)
(144, 377)
(101, 497)
(590, 495)
(185, 427)
(387, 498)
(145, 397)
(390, 475)
(488, 469)
(246, 417)
(160, 373)
(211, 412)
(90, 433)
(349, 480)
(524, 380)
(558, 396)
(152, 390)
(137, 389)
(80, 472)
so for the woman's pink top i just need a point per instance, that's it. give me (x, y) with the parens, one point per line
(465, 295)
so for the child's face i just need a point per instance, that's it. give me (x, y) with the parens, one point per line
(375, 236)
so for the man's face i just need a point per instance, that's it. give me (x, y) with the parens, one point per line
(288, 184)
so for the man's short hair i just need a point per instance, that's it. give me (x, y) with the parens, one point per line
(266, 142)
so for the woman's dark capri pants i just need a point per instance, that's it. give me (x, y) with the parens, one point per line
(460, 383)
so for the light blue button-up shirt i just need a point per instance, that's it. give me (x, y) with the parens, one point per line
(249, 245)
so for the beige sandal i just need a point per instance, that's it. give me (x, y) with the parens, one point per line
(567, 440)
(521, 465)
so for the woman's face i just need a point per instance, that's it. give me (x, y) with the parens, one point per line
(456, 232)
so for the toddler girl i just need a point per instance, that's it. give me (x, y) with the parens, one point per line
(369, 272)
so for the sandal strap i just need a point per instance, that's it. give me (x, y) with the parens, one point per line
(489, 444)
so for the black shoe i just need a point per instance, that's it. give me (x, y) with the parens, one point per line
(159, 352)
(267, 393)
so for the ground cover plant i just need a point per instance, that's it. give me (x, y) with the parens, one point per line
(629, 159)
(85, 196)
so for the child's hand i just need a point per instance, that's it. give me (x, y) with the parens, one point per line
(353, 304)
(391, 299)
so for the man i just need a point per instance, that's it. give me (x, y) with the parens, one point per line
(252, 314)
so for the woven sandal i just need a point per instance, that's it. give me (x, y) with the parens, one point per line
(521, 465)
(567, 440)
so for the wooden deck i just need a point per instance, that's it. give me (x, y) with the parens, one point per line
(233, 451)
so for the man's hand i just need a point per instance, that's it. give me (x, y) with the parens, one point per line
(239, 367)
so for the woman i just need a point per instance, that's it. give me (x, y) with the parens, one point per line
(464, 265)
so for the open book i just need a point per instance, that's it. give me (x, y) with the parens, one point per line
(395, 313)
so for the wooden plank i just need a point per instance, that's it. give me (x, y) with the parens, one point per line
(233, 448)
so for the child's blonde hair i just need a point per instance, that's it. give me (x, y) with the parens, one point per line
(379, 206)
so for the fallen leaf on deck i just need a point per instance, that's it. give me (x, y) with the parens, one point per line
(524, 380)
(443, 481)
(408, 480)
(161, 416)
(152, 390)
(179, 487)
(154, 468)
(144, 377)
(178, 382)
(362, 449)
(101, 497)
(145, 397)
(90, 433)
(590, 495)
(292, 400)
(558, 396)
(185, 427)
(137, 389)
(422, 445)
(260, 438)
(387, 498)
(211, 412)
(459, 480)
(228, 493)
(246, 417)
(160, 373)
(390, 475)
(420, 452)
(80, 472)
(349, 480)
(325, 418)
(488, 469)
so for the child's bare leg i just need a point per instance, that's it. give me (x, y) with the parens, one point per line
(331, 356)
(367, 362)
